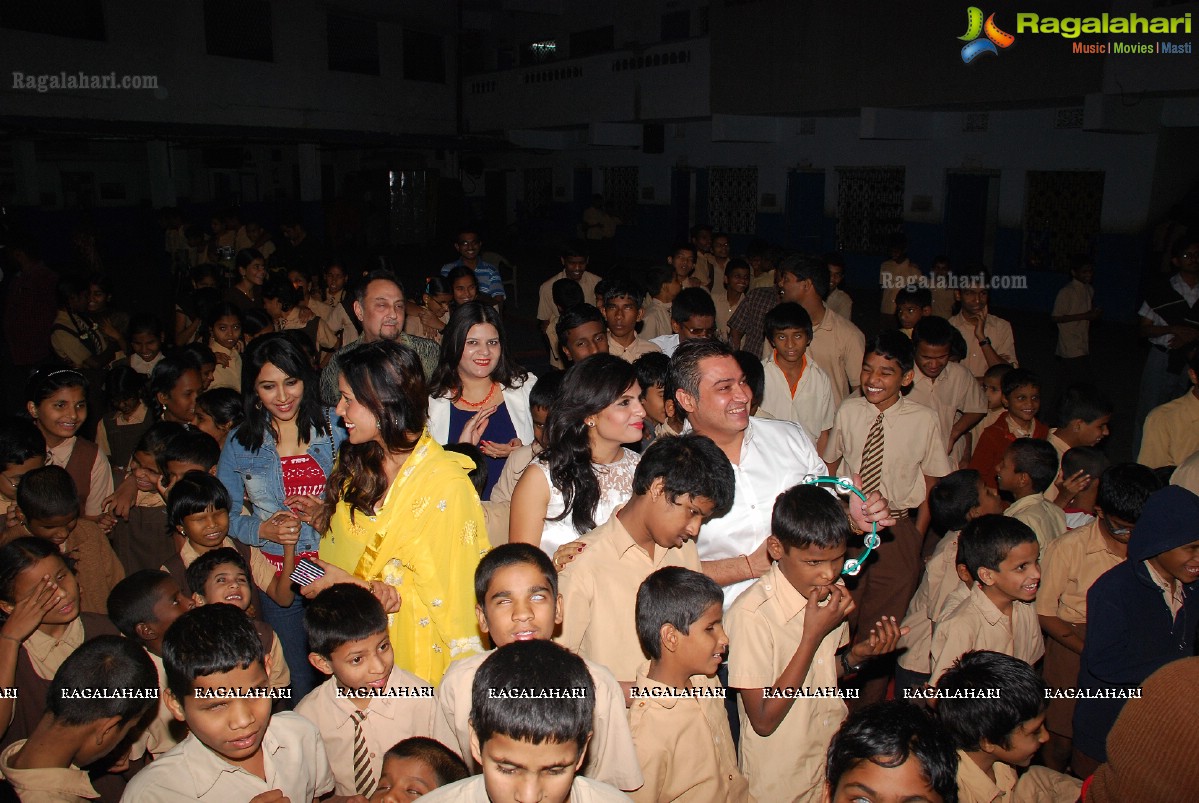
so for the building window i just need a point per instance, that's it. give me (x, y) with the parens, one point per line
(620, 192)
(424, 57)
(539, 189)
(239, 29)
(538, 52)
(589, 43)
(353, 44)
(676, 25)
(869, 208)
(77, 19)
(733, 199)
(1062, 210)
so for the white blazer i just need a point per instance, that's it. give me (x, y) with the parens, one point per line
(515, 399)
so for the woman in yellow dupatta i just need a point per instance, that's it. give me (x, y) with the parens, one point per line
(403, 512)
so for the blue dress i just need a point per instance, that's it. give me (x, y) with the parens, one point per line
(499, 430)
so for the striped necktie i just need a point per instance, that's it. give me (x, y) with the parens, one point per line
(363, 780)
(871, 469)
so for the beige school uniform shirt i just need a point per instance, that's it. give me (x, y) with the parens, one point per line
(811, 406)
(1002, 340)
(840, 302)
(599, 595)
(48, 784)
(976, 624)
(1171, 432)
(547, 310)
(226, 376)
(294, 762)
(684, 745)
(893, 277)
(611, 757)
(912, 447)
(765, 625)
(656, 320)
(389, 720)
(1073, 338)
(1037, 785)
(951, 395)
(939, 584)
(1187, 474)
(474, 790)
(164, 731)
(1046, 519)
(837, 347)
(1069, 567)
(638, 347)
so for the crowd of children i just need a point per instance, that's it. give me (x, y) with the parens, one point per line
(726, 628)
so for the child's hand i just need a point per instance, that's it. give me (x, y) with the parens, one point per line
(884, 638)
(1072, 486)
(282, 528)
(222, 358)
(28, 613)
(820, 620)
(121, 501)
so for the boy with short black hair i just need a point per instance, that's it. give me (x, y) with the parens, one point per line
(897, 448)
(682, 259)
(517, 599)
(838, 300)
(1021, 391)
(531, 720)
(368, 700)
(1085, 464)
(80, 727)
(190, 450)
(878, 747)
(581, 332)
(993, 707)
(796, 388)
(50, 507)
(679, 484)
(661, 286)
(622, 312)
(22, 449)
(785, 633)
(416, 766)
(692, 317)
(1026, 471)
(955, 501)
(222, 575)
(1069, 567)
(912, 304)
(143, 606)
(217, 683)
(651, 378)
(945, 386)
(678, 717)
(1001, 555)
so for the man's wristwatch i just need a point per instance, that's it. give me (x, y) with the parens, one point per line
(986, 341)
(849, 669)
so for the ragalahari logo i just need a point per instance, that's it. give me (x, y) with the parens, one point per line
(975, 27)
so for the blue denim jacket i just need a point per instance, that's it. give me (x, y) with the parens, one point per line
(258, 477)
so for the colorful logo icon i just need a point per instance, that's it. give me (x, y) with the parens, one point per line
(975, 27)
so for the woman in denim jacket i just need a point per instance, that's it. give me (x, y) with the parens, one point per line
(278, 461)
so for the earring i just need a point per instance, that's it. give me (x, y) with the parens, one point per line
(589, 423)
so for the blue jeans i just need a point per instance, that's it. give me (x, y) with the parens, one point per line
(288, 624)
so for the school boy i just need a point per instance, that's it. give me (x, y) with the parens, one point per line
(677, 713)
(682, 259)
(369, 703)
(785, 632)
(574, 268)
(1069, 567)
(1073, 310)
(896, 447)
(622, 312)
(80, 727)
(993, 707)
(662, 287)
(1001, 555)
(989, 339)
(891, 751)
(217, 684)
(955, 501)
(143, 606)
(416, 766)
(50, 507)
(222, 576)
(679, 484)
(531, 718)
(838, 300)
(945, 386)
(1140, 615)
(581, 332)
(516, 590)
(1084, 464)
(190, 450)
(796, 388)
(1021, 391)
(659, 410)
(692, 317)
(1085, 413)
(896, 273)
(912, 304)
(1026, 471)
(1172, 429)
(22, 449)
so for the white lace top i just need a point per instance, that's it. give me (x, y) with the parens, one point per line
(616, 486)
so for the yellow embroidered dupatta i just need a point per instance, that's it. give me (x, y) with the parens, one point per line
(425, 541)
